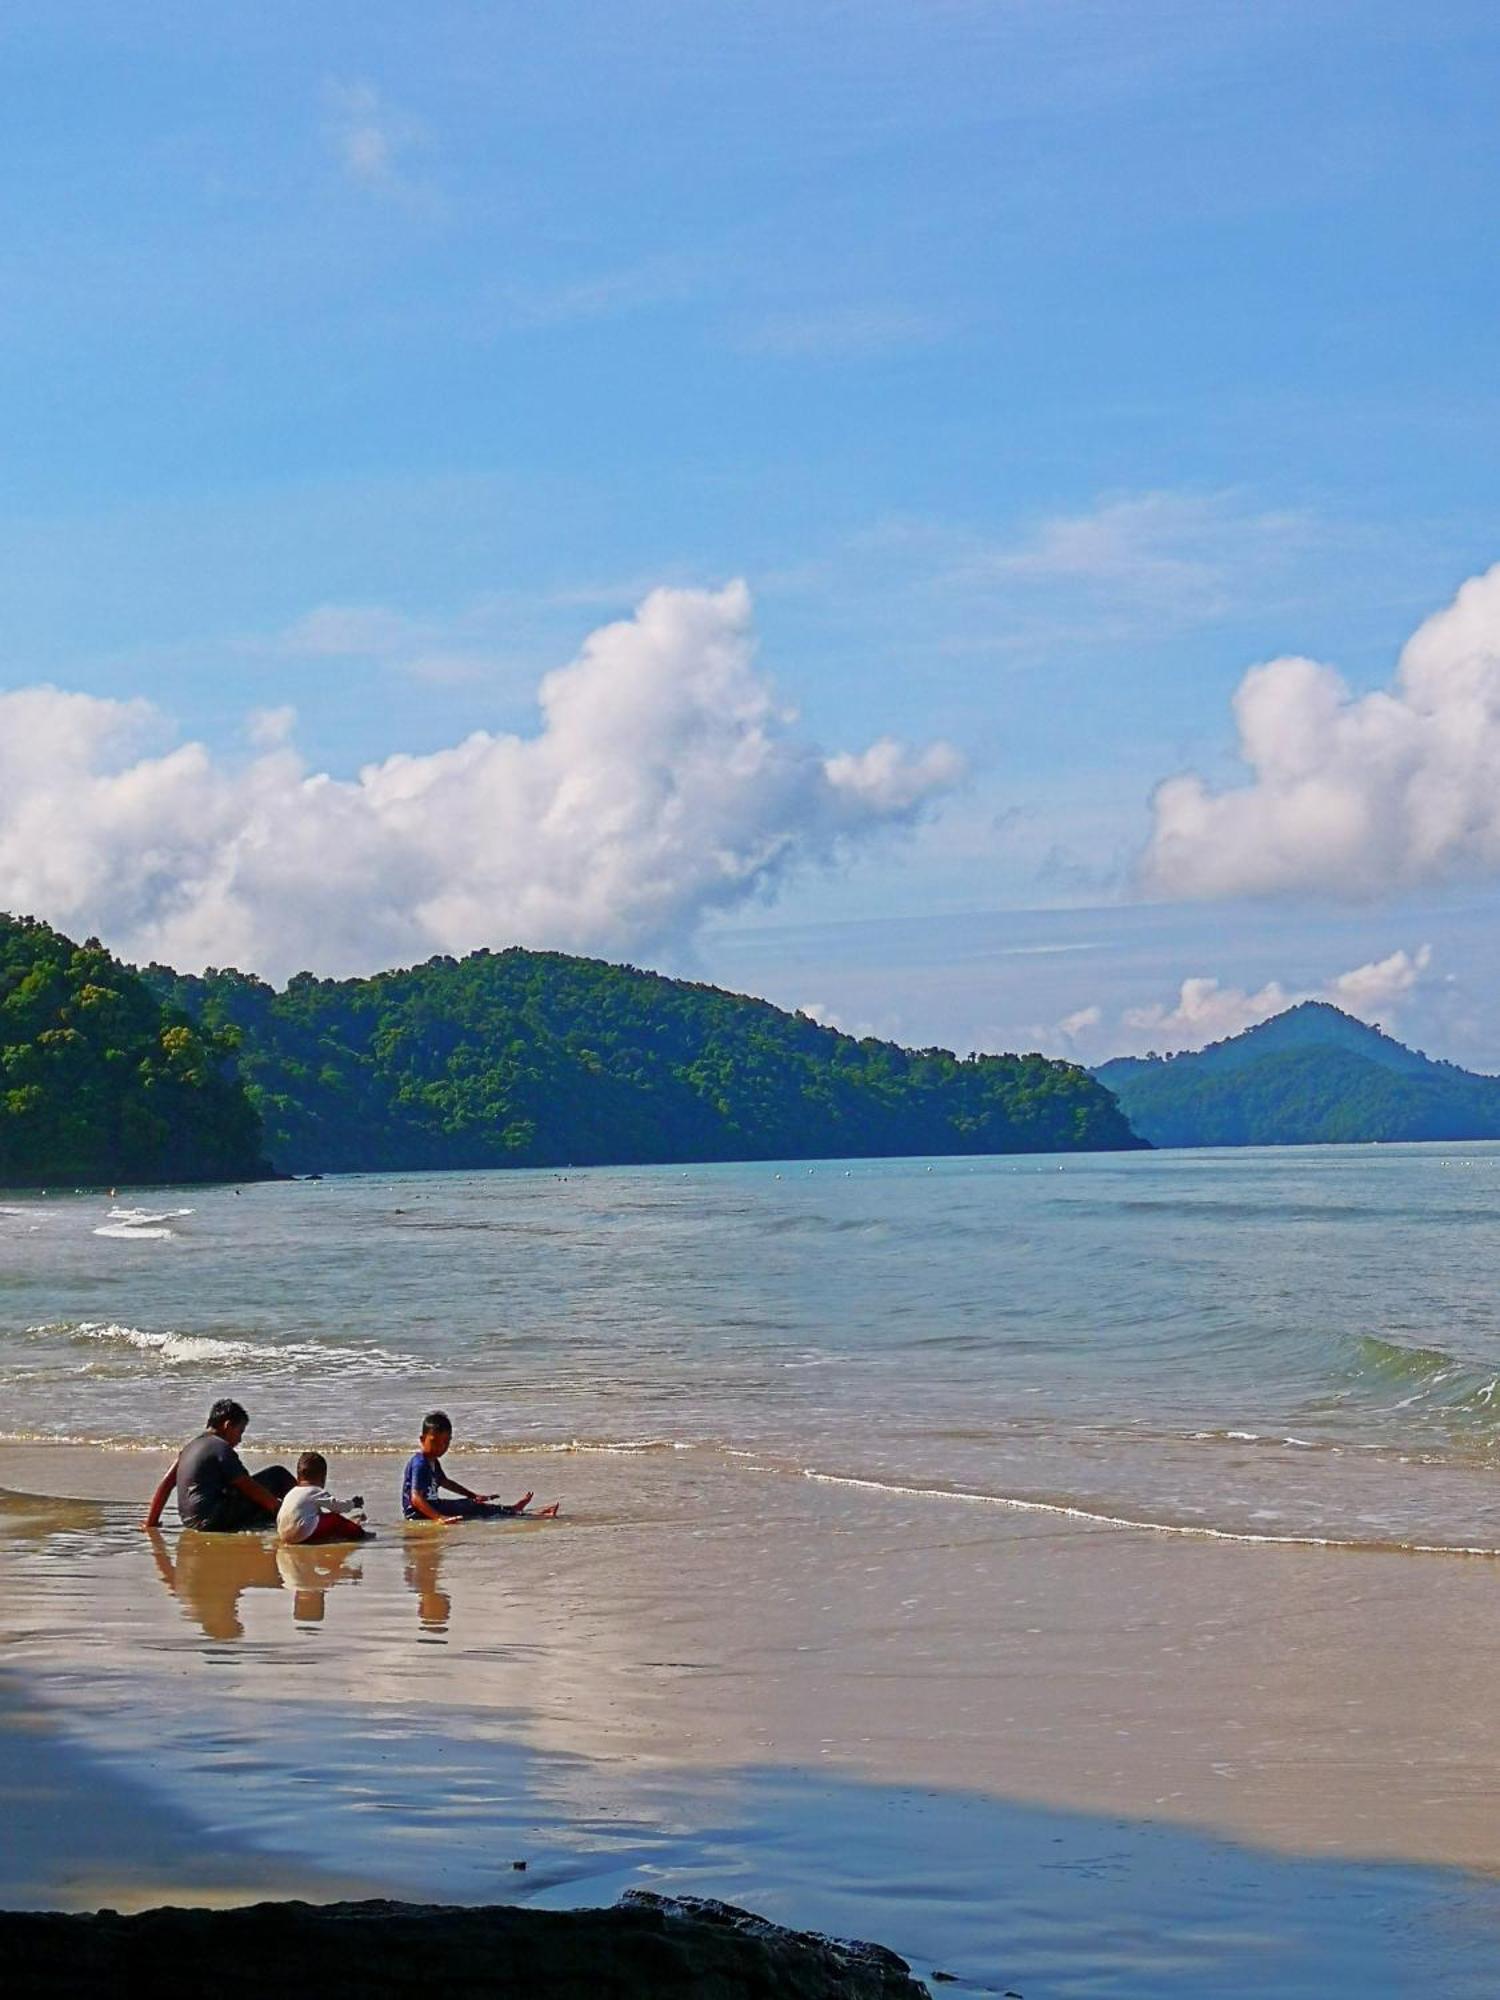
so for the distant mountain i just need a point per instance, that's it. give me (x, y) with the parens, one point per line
(1310, 1076)
(526, 1058)
(100, 1082)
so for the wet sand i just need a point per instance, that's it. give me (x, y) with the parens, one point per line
(720, 1679)
(79, 1835)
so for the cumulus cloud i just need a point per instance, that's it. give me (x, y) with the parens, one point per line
(1351, 795)
(887, 780)
(1207, 1011)
(665, 782)
(1371, 990)
(1074, 1026)
(267, 728)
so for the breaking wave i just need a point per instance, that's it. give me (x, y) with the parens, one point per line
(1100, 1516)
(178, 1350)
(142, 1225)
(1427, 1386)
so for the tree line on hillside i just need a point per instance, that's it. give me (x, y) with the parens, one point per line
(1312, 1075)
(101, 1083)
(529, 1058)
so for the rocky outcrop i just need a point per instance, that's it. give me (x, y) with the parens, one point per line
(645, 1948)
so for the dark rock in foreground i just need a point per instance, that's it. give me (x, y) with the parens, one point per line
(646, 1948)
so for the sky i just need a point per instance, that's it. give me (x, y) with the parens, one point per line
(975, 518)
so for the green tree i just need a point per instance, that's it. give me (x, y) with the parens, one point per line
(538, 1059)
(101, 1082)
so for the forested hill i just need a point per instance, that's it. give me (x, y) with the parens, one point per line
(1312, 1075)
(521, 1058)
(101, 1083)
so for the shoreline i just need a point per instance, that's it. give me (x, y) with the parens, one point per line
(683, 1614)
(48, 1462)
(985, 1736)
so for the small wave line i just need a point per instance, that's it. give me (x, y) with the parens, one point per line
(1099, 1518)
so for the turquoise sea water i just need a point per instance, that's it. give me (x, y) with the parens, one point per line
(1293, 1343)
(1277, 1346)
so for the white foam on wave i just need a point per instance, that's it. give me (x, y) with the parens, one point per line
(610, 1447)
(177, 1350)
(142, 1225)
(1281, 1439)
(172, 1348)
(1071, 1510)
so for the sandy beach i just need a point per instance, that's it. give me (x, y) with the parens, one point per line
(850, 1713)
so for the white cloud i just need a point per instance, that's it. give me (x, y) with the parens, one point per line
(1072, 1026)
(348, 631)
(664, 783)
(423, 650)
(368, 136)
(1124, 572)
(1205, 1011)
(1184, 556)
(1351, 795)
(1371, 990)
(268, 728)
(887, 780)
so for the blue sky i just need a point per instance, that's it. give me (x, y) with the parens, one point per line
(1040, 368)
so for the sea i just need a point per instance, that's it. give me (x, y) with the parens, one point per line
(1297, 1345)
(919, 1575)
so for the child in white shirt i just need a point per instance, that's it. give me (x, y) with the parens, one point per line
(309, 1513)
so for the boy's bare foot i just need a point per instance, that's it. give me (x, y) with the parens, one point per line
(548, 1513)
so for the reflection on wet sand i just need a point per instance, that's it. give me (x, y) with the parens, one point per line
(208, 1575)
(691, 1614)
(421, 1568)
(37, 1514)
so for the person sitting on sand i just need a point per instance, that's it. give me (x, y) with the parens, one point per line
(214, 1491)
(424, 1481)
(309, 1513)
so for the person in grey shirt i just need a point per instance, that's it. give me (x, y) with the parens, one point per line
(214, 1491)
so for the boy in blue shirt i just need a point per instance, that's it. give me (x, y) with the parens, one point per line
(424, 1482)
